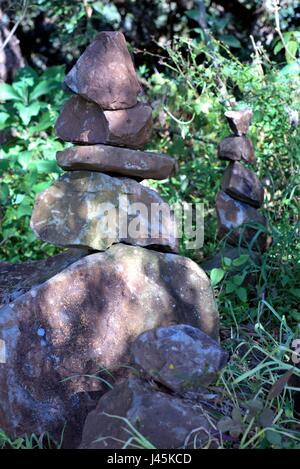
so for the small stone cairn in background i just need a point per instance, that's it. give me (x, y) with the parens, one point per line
(241, 193)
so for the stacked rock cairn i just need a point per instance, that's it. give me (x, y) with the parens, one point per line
(89, 308)
(110, 127)
(241, 193)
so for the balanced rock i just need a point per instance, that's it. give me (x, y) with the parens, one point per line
(107, 159)
(239, 121)
(105, 74)
(236, 148)
(181, 357)
(166, 421)
(85, 318)
(17, 278)
(243, 184)
(84, 122)
(233, 214)
(95, 210)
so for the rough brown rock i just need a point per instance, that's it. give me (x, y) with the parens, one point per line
(166, 421)
(115, 160)
(181, 357)
(105, 74)
(239, 121)
(17, 279)
(232, 214)
(236, 148)
(94, 210)
(243, 184)
(84, 122)
(85, 318)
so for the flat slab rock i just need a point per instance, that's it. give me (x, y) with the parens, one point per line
(236, 148)
(105, 74)
(243, 184)
(181, 357)
(85, 318)
(17, 279)
(84, 122)
(107, 159)
(232, 214)
(167, 422)
(94, 210)
(239, 121)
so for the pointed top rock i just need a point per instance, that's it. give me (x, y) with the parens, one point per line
(105, 73)
(239, 121)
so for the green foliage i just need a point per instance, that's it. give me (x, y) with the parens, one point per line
(27, 162)
(192, 86)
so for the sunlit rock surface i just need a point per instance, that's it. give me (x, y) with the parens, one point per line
(94, 210)
(105, 74)
(60, 333)
(84, 122)
(124, 161)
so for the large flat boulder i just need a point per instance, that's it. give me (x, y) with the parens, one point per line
(95, 210)
(16, 279)
(84, 122)
(107, 159)
(105, 74)
(167, 422)
(58, 335)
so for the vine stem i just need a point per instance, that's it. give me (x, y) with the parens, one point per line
(276, 6)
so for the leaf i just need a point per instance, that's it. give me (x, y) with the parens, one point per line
(45, 166)
(43, 87)
(240, 260)
(24, 158)
(274, 438)
(27, 112)
(40, 187)
(266, 417)
(227, 261)
(230, 287)
(242, 294)
(231, 41)
(193, 14)
(216, 275)
(295, 292)
(292, 69)
(225, 424)
(279, 385)
(4, 192)
(238, 279)
(8, 93)
(290, 53)
(278, 47)
(23, 210)
(3, 118)
(44, 123)
(4, 164)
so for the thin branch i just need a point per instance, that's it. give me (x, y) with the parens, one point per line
(12, 32)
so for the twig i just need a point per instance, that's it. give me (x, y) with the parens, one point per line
(12, 32)
(276, 5)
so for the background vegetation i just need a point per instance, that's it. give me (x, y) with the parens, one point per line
(195, 60)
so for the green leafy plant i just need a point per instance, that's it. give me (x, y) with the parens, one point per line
(27, 160)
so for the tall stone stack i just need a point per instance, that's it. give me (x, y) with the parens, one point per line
(81, 310)
(241, 193)
(109, 127)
